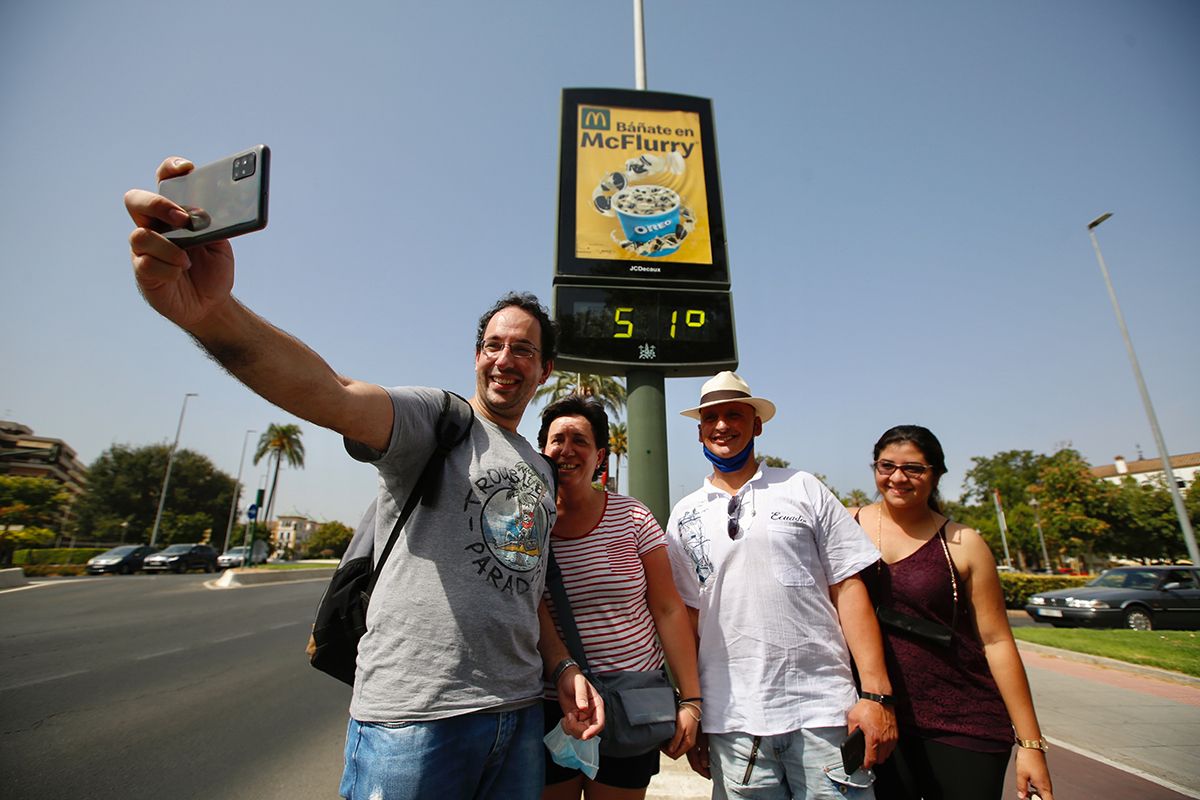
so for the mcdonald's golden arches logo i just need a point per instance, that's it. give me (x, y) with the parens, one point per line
(595, 119)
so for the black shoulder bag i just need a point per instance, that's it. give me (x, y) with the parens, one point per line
(342, 614)
(639, 707)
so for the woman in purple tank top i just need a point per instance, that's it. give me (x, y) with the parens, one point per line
(962, 697)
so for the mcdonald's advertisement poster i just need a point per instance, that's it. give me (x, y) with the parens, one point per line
(640, 192)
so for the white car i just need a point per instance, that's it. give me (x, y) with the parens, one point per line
(236, 556)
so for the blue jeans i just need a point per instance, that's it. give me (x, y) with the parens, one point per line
(499, 756)
(789, 765)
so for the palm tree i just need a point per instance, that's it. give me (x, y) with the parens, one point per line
(618, 445)
(279, 442)
(609, 391)
(857, 499)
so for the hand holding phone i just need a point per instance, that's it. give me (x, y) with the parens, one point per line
(223, 199)
(854, 750)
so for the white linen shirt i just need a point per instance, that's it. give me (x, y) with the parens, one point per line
(772, 655)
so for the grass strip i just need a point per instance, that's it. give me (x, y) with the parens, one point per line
(1178, 651)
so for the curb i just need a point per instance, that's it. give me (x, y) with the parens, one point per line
(1111, 663)
(12, 578)
(236, 578)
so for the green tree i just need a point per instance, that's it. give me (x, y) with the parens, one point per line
(618, 445)
(123, 488)
(1077, 508)
(279, 443)
(1012, 472)
(776, 461)
(329, 540)
(29, 508)
(1144, 523)
(609, 391)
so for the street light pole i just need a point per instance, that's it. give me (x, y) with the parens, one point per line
(237, 491)
(162, 498)
(1037, 519)
(1185, 524)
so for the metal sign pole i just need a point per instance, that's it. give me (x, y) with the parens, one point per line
(646, 388)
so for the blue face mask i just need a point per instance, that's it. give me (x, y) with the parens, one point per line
(733, 463)
(572, 753)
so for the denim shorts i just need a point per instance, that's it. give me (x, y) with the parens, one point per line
(497, 755)
(803, 763)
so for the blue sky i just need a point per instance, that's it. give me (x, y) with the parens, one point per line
(906, 188)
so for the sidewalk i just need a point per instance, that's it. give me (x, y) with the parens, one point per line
(1139, 719)
(1135, 718)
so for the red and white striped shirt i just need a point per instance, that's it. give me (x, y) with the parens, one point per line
(606, 584)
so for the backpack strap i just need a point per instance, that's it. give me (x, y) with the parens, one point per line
(452, 426)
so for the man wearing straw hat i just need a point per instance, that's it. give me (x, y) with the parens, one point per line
(767, 561)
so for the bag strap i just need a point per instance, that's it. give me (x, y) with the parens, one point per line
(452, 426)
(566, 617)
(941, 534)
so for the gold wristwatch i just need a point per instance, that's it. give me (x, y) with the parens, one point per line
(1032, 744)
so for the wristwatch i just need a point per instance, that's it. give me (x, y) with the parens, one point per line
(1032, 744)
(562, 667)
(882, 699)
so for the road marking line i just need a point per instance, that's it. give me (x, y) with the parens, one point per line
(160, 653)
(1147, 776)
(284, 625)
(47, 679)
(231, 638)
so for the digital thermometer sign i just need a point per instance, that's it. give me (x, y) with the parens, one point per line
(609, 329)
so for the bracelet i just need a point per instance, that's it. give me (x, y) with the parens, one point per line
(693, 710)
(1032, 744)
(562, 667)
(690, 700)
(882, 699)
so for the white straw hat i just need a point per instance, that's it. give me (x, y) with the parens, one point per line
(728, 387)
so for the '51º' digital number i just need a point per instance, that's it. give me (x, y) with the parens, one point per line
(692, 318)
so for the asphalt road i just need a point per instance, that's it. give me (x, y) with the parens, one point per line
(154, 686)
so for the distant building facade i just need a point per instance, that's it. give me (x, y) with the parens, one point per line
(1150, 470)
(24, 455)
(291, 532)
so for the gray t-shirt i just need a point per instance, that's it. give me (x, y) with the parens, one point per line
(452, 627)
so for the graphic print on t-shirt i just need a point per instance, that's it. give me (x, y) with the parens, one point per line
(513, 526)
(695, 543)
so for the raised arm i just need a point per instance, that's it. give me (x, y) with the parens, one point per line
(192, 288)
(1004, 662)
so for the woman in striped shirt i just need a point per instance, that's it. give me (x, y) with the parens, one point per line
(613, 557)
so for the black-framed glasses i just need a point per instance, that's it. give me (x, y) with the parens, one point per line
(911, 469)
(492, 348)
(732, 510)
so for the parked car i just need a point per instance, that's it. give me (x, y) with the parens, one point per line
(181, 558)
(1141, 598)
(124, 560)
(236, 556)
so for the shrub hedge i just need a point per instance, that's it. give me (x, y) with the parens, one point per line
(1018, 586)
(56, 555)
(43, 570)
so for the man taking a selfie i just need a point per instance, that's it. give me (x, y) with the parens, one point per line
(447, 691)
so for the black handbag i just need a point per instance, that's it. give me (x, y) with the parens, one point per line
(937, 633)
(639, 707)
(342, 613)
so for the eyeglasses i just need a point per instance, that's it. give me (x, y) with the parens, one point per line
(492, 349)
(734, 507)
(912, 470)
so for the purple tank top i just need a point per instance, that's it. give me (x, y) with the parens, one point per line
(946, 694)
